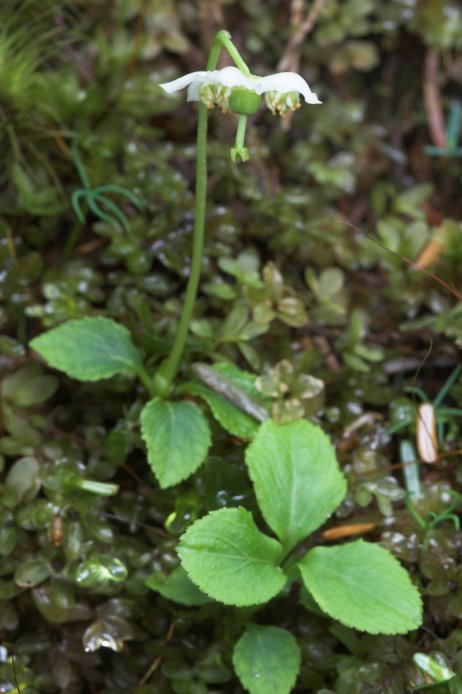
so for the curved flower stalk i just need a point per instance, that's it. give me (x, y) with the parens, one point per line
(231, 89)
(96, 197)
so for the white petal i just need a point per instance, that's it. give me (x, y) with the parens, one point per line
(184, 81)
(286, 82)
(230, 77)
(227, 77)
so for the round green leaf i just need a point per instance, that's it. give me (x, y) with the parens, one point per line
(267, 660)
(296, 477)
(363, 586)
(230, 560)
(89, 349)
(177, 437)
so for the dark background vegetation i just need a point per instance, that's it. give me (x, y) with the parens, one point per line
(309, 258)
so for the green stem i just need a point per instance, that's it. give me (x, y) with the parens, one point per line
(79, 166)
(415, 514)
(240, 134)
(145, 379)
(223, 40)
(162, 382)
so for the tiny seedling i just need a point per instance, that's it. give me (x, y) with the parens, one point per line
(452, 148)
(97, 197)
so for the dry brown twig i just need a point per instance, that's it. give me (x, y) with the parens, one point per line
(300, 28)
(432, 99)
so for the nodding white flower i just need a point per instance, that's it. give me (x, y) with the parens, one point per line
(230, 88)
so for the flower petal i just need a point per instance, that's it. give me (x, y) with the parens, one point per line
(230, 77)
(184, 81)
(284, 82)
(227, 77)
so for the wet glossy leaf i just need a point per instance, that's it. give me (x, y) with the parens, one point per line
(108, 632)
(36, 390)
(23, 478)
(8, 590)
(434, 665)
(296, 477)
(12, 383)
(50, 608)
(267, 660)
(8, 537)
(32, 572)
(177, 437)
(73, 540)
(230, 560)
(89, 349)
(100, 569)
(363, 586)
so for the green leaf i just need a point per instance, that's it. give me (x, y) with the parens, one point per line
(434, 665)
(363, 586)
(267, 660)
(89, 349)
(32, 572)
(177, 587)
(100, 569)
(296, 477)
(229, 559)
(177, 436)
(36, 391)
(227, 415)
(24, 478)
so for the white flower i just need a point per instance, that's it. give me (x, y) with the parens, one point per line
(230, 77)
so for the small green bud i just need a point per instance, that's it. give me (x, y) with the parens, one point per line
(244, 102)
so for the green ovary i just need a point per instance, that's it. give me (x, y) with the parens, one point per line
(244, 102)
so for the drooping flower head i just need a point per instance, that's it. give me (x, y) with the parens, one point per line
(231, 90)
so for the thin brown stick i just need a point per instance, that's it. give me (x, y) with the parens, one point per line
(14, 670)
(137, 40)
(290, 60)
(300, 28)
(432, 99)
(157, 661)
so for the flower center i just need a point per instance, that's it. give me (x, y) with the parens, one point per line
(215, 95)
(244, 102)
(282, 103)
